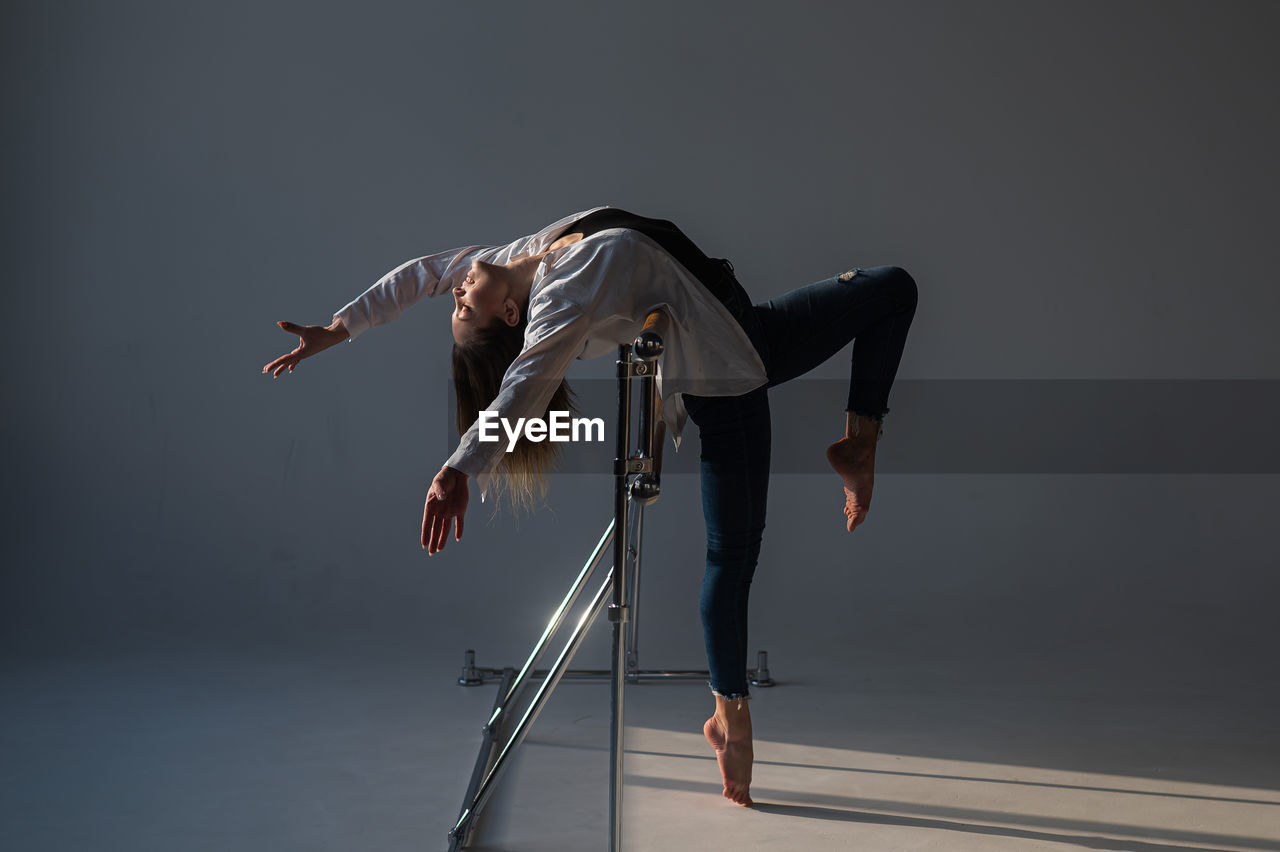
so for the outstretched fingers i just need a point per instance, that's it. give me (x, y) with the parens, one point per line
(429, 511)
(291, 359)
(435, 524)
(446, 501)
(440, 531)
(276, 366)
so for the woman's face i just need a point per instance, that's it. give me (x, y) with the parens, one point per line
(480, 298)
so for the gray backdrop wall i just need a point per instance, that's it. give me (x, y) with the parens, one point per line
(1082, 190)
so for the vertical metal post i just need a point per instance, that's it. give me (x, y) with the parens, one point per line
(644, 355)
(618, 610)
(633, 594)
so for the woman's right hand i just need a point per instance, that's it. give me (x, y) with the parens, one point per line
(312, 339)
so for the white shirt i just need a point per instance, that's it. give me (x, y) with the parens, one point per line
(586, 299)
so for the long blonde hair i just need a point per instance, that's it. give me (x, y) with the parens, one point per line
(478, 368)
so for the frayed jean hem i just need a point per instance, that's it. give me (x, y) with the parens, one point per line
(736, 696)
(878, 419)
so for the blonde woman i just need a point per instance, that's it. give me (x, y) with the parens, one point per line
(524, 311)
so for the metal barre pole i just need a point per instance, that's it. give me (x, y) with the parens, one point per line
(618, 609)
(638, 359)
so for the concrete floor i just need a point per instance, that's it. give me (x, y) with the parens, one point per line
(318, 753)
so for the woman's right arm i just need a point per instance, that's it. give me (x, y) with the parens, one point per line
(431, 275)
(387, 299)
(381, 303)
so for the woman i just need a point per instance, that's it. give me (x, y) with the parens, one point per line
(579, 288)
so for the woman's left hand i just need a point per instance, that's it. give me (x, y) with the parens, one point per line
(446, 499)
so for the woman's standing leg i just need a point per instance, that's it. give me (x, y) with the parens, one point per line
(803, 328)
(736, 439)
(793, 333)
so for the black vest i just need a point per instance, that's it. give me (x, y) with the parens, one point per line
(711, 271)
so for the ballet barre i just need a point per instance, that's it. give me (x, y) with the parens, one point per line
(620, 589)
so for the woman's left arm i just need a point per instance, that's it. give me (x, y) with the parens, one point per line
(554, 338)
(532, 379)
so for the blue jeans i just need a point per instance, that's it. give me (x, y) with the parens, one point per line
(793, 333)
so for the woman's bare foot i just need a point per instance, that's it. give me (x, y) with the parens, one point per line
(854, 458)
(729, 733)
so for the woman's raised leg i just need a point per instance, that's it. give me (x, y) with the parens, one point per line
(803, 328)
